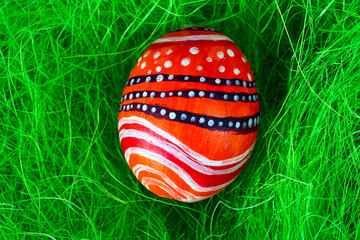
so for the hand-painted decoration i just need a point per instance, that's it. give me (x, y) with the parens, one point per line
(189, 114)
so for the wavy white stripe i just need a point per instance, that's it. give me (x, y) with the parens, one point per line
(194, 38)
(174, 167)
(177, 153)
(182, 152)
(195, 156)
(146, 181)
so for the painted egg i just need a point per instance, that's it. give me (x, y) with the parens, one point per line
(189, 114)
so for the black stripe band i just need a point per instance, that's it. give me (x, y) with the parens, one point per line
(241, 125)
(193, 93)
(182, 78)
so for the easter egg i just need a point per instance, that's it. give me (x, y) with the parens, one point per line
(189, 114)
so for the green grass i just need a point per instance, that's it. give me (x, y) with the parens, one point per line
(63, 66)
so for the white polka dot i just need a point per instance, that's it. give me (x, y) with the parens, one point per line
(139, 59)
(226, 97)
(144, 94)
(162, 95)
(228, 82)
(202, 79)
(191, 94)
(163, 112)
(250, 122)
(137, 95)
(192, 119)
(172, 115)
(244, 60)
(221, 69)
(244, 125)
(194, 50)
(220, 124)
(183, 116)
(156, 62)
(209, 59)
(231, 124)
(152, 94)
(201, 120)
(159, 78)
(237, 82)
(236, 71)
(138, 106)
(131, 96)
(149, 71)
(212, 95)
(211, 123)
(236, 98)
(179, 93)
(168, 52)
(237, 125)
(148, 78)
(146, 54)
(158, 68)
(244, 83)
(167, 64)
(171, 77)
(249, 77)
(230, 52)
(185, 61)
(153, 109)
(144, 107)
(220, 54)
(186, 78)
(217, 81)
(201, 93)
(156, 55)
(171, 93)
(199, 68)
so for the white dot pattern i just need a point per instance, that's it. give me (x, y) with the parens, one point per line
(168, 64)
(194, 50)
(220, 54)
(185, 61)
(156, 55)
(230, 52)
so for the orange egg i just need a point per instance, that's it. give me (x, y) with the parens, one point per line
(189, 114)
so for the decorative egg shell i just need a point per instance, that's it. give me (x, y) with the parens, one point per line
(189, 114)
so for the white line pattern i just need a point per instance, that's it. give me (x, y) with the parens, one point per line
(180, 151)
(194, 38)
